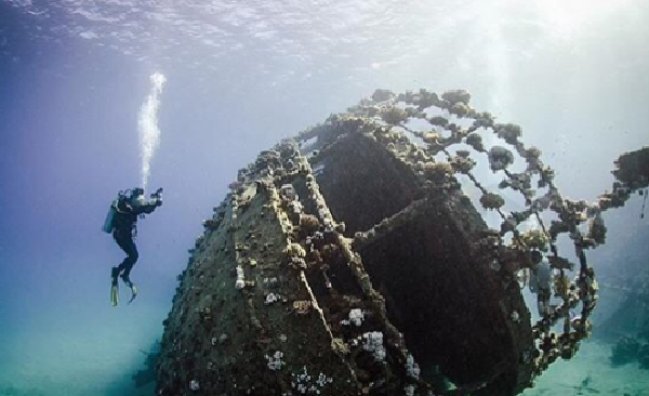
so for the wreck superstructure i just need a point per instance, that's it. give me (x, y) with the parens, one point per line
(349, 261)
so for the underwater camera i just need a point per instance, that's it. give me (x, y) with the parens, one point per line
(157, 194)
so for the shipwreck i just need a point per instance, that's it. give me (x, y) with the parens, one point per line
(349, 260)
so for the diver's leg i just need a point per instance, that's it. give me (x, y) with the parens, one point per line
(125, 242)
(120, 239)
(114, 274)
(129, 262)
(543, 299)
(129, 247)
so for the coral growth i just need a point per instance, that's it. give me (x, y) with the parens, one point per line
(500, 158)
(535, 239)
(457, 96)
(492, 201)
(393, 115)
(632, 168)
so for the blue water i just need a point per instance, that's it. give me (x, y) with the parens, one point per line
(241, 75)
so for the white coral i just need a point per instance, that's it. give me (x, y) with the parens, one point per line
(271, 298)
(241, 281)
(373, 343)
(194, 385)
(305, 384)
(356, 317)
(275, 362)
(412, 368)
(409, 390)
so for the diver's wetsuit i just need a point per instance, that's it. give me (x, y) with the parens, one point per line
(124, 225)
(541, 284)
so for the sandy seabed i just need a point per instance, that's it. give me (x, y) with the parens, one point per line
(590, 373)
(93, 351)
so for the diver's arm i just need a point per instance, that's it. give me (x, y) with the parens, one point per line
(142, 205)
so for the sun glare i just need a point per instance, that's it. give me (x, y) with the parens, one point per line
(566, 18)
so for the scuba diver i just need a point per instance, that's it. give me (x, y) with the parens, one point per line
(121, 222)
(541, 281)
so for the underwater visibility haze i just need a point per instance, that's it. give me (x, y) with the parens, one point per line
(349, 248)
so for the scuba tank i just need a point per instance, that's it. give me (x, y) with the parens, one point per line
(112, 212)
(108, 223)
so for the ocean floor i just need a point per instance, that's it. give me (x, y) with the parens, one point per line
(84, 347)
(590, 373)
(108, 374)
(86, 354)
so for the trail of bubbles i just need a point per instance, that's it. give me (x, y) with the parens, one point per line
(148, 125)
